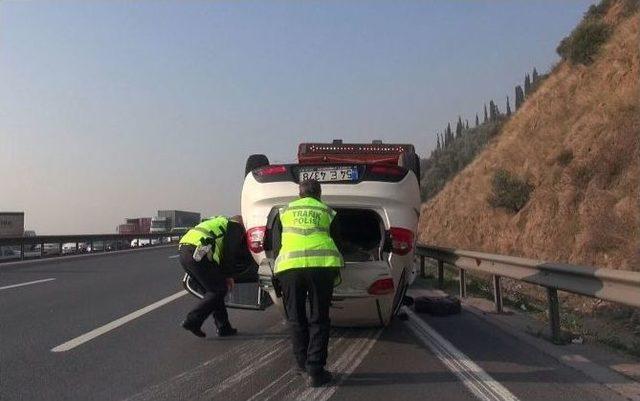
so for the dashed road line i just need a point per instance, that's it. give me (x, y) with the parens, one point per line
(6, 287)
(479, 382)
(73, 343)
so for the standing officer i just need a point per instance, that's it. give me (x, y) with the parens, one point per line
(208, 252)
(306, 267)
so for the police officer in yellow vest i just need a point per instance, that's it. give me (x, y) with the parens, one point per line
(208, 252)
(306, 267)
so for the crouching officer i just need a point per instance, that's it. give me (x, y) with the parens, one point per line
(306, 267)
(208, 252)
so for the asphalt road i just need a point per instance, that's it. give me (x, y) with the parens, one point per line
(147, 356)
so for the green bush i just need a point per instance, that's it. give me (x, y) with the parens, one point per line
(509, 191)
(565, 157)
(584, 42)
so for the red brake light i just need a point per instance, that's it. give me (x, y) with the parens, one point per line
(271, 170)
(401, 240)
(382, 169)
(381, 287)
(255, 239)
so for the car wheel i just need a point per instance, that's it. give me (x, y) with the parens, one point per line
(410, 161)
(254, 162)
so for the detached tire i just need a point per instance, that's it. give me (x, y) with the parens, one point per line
(438, 306)
(254, 162)
(410, 161)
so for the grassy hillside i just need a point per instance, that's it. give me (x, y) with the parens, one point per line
(576, 144)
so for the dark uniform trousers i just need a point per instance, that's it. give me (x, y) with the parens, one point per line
(310, 336)
(208, 275)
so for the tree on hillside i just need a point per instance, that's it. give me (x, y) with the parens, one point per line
(535, 77)
(486, 116)
(448, 135)
(492, 111)
(508, 107)
(477, 120)
(527, 85)
(438, 146)
(466, 124)
(519, 96)
(459, 127)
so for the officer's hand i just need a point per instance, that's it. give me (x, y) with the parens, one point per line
(230, 283)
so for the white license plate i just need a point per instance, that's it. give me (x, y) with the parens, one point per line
(328, 174)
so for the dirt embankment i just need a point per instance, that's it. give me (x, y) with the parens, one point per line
(577, 140)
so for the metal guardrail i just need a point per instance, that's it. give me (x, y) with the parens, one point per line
(607, 284)
(34, 247)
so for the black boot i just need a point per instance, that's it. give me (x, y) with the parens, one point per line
(226, 331)
(319, 378)
(195, 329)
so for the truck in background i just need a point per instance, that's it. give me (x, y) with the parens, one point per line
(174, 221)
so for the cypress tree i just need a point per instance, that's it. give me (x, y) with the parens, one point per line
(508, 107)
(437, 141)
(492, 111)
(466, 123)
(519, 97)
(535, 76)
(527, 85)
(459, 127)
(486, 117)
(477, 120)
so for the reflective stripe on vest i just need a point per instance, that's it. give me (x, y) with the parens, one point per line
(212, 229)
(306, 241)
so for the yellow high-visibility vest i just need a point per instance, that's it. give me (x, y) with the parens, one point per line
(306, 241)
(209, 231)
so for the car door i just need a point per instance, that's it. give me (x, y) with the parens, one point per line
(246, 294)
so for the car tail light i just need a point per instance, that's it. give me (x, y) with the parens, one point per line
(255, 239)
(401, 240)
(271, 170)
(388, 170)
(381, 287)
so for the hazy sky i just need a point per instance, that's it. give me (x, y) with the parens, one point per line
(114, 109)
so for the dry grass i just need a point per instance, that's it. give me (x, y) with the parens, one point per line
(585, 208)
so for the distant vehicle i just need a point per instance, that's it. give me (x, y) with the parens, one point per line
(140, 242)
(48, 250)
(69, 248)
(174, 221)
(374, 190)
(7, 253)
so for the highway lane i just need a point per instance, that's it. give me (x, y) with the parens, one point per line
(152, 358)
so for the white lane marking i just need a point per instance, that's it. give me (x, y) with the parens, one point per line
(174, 256)
(6, 287)
(479, 382)
(71, 344)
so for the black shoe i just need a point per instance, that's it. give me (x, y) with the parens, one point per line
(193, 328)
(320, 378)
(227, 331)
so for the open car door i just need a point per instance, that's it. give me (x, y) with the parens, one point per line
(247, 293)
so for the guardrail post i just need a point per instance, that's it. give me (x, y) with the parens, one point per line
(497, 293)
(554, 314)
(22, 250)
(463, 284)
(91, 245)
(423, 274)
(440, 274)
(77, 247)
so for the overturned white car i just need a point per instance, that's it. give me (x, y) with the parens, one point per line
(374, 190)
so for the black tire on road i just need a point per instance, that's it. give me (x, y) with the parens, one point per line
(254, 162)
(410, 161)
